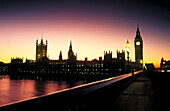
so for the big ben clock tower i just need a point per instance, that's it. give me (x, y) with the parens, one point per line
(138, 50)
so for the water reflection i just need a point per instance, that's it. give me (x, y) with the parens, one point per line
(17, 88)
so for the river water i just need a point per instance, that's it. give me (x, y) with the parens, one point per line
(20, 88)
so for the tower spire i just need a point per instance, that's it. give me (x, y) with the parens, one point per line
(70, 44)
(138, 28)
(60, 56)
(137, 31)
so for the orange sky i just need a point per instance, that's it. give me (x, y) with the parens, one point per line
(88, 41)
(91, 33)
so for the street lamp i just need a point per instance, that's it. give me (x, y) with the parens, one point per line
(127, 48)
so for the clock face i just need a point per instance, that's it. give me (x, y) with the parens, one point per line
(137, 43)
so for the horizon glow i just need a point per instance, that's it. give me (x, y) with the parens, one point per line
(92, 31)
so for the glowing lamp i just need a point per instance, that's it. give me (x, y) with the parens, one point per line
(127, 49)
(141, 61)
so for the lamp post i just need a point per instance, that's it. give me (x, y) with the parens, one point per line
(127, 48)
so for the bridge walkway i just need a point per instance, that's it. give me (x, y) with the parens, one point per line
(138, 96)
(149, 92)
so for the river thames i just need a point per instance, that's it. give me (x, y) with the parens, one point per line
(25, 87)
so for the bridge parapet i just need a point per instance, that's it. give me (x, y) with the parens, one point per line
(64, 97)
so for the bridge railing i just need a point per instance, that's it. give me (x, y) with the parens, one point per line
(73, 91)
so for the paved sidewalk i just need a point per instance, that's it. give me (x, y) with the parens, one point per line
(138, 96)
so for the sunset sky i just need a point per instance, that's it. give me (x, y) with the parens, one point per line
(92, 26)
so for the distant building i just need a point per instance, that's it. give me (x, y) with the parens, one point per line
(87, 62)
(138, 50)
(165, 64)
(121, 60)
(42, 64)
(16, 64)
(149, 66)
(3, 68)
(29, 61)
(41, 51)
(60, 57)
(16, 60)
(71, 57)
(107, 57)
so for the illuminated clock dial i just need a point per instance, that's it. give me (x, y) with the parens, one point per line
(137, 43)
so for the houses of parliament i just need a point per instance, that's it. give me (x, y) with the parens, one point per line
(107, 66)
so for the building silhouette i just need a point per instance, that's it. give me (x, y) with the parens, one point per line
(107, 57)
(71, 57)
(106, 66)
(3, 68)
(43, 65)
(149, 66)
(60, 57)
(165, 64)
(16, 60)
(138, 43)
(121, 60)
(41, 51)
